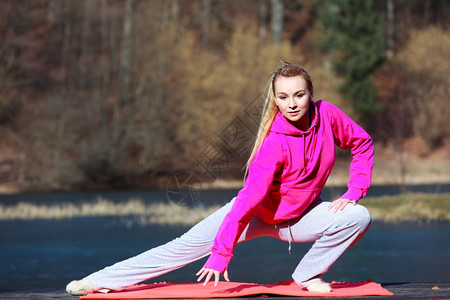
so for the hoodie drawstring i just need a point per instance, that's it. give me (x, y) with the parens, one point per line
(308, 155)
(304, 151)
(289, 236)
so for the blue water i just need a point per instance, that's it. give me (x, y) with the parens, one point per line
(206, 196)
(50, 253)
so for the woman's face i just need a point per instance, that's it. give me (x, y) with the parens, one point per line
(292, 97)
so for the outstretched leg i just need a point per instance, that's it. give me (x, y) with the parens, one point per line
(191, 246)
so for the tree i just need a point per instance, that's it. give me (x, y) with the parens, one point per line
(352, 34)
(414, 91)
(425, 59)
(394, 122)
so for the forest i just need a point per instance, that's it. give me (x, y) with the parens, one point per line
(121, 94)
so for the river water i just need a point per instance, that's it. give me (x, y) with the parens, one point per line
(50, 253)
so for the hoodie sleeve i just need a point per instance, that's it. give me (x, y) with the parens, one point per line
(350, 136)
(266, 163)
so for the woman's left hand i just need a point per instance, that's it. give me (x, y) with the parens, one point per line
(340, 204)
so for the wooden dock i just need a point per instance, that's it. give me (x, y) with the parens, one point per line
(405, 290)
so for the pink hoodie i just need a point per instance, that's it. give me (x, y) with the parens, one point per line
(289, 171)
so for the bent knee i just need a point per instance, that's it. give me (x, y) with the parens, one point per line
(361, 215)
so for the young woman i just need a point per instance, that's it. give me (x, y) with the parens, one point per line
(292, 158)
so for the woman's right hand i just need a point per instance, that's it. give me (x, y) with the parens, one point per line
(209, 273)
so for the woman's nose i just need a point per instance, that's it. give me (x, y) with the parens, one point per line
(292, 103)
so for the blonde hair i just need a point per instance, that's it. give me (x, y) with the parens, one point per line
(270, 108)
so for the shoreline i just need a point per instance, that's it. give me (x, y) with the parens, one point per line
(385, 172)
(219, 184)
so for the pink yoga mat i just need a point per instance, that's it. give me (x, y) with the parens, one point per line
(238, 289)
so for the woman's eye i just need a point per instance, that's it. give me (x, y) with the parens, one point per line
(282, 97)
(300, 95)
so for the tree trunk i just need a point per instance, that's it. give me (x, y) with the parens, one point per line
(65, 51)
(262, 16)
(175, 12)
(390, 29)
(126, 49)
(277, 21)
(124, 76)
(206, 16)
(54, 12)
(86, 42)
(427, 13)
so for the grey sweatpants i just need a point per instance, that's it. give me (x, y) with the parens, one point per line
(332, 232)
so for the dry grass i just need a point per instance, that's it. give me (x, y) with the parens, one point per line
(155, 213)
(408, 207)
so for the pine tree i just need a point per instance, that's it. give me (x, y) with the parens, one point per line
(353, 35)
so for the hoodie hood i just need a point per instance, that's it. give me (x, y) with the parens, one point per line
(308, 138)
(282, 125)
